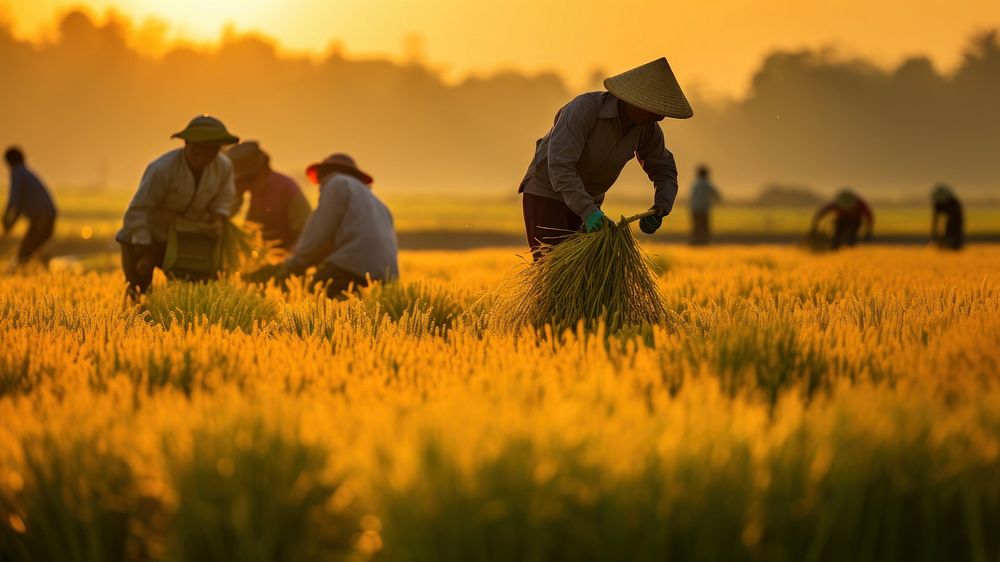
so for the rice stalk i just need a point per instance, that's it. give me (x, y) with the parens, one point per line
(599, 277)
(244, 248)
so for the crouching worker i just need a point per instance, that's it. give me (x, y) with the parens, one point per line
(28, 198)
(850, 212)
(185, 191)
(276, 202)
(948, 207)
(349, 237)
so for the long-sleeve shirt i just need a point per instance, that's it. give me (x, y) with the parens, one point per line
(167, 190)
(351, 229)
(703, 194)
(28, 197)
(855, 213)
(584, 152)
(279, 207)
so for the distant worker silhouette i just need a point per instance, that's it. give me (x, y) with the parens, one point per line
(187, 186)
(29, 198)
(350, 237)
(703, 196)
(850, 211)
(591, 140)
(276, 201)
(946, 204)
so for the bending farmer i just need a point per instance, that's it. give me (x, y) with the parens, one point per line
(849, 212)
(592, 139)
(947, 205)
(276, 201)
(192, 184)
(28, 197)
(350, 236)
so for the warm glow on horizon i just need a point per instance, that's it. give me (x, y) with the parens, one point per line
(714, 45)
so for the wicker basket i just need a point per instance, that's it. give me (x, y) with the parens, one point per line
(194, 250)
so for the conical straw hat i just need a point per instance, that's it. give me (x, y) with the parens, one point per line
(652, 87)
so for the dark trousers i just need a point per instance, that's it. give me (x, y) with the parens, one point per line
(138, 282)
(950, 241)
(845, 232)
(547, 221)
(39, 232)
(700, 229)
(954, 235)
(337, 280)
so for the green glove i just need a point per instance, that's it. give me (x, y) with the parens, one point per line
(594, 221)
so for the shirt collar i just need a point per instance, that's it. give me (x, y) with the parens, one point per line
(609, 107)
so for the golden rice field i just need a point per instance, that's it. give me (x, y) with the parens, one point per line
(794, 407)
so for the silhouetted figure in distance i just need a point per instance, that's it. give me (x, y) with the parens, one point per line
(850, 212)
(28, 197)
(947, 205)
(703, 196)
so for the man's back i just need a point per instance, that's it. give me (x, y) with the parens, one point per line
(28, 193)
(352, 229)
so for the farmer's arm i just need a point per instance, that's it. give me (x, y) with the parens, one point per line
(234, 209)
(659, 165)
(936, 221)
(822, 212)
(869, 217)
(566, 142)
(13, 202)
(716, 196)
(222, 204)
(151, 190)
(320, 228)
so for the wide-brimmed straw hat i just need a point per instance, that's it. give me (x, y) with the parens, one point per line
(652, 87)
(248, 159)
(338, 162)
(205, 129)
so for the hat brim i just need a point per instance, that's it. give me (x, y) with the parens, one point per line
(652, 87)
(319, 169)
(630, 95)
(206, 137)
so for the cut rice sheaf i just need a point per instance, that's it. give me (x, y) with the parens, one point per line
(600, 277)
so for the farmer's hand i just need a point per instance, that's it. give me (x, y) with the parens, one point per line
(595, 221)
(652, 223)
(147, 261)
(217, 219)
(266, 273)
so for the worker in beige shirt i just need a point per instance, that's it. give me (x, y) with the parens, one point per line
(194, 183)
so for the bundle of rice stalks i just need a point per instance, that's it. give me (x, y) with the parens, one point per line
(602, 276)
(244, 248)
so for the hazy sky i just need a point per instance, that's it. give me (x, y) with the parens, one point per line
(712, 44)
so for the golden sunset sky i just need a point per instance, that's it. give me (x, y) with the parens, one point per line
(714, 45)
